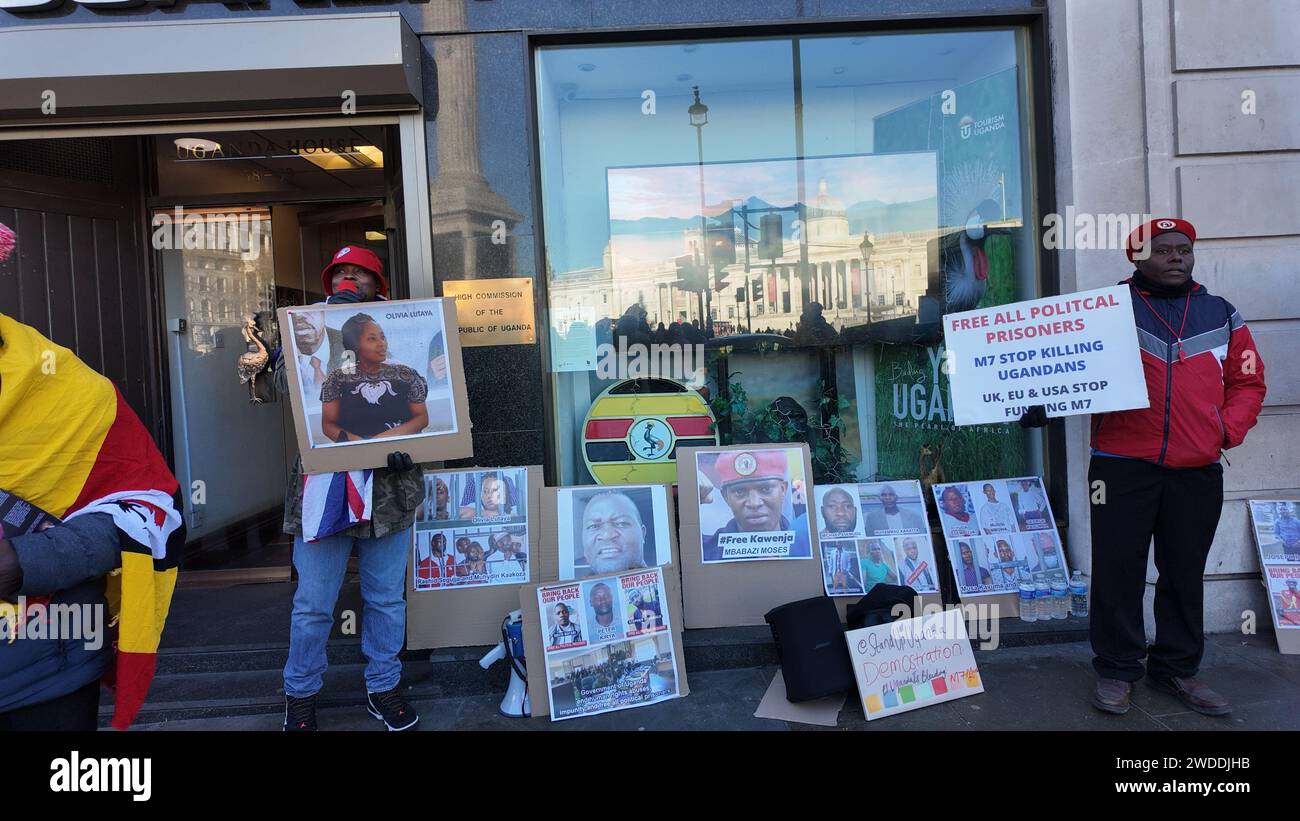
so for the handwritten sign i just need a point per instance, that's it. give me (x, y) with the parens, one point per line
(1073, 354)
(913, 663)
(493, 311)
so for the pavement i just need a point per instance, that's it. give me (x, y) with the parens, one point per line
(1029, 685)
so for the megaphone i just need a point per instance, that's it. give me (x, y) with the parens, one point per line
(515, 704)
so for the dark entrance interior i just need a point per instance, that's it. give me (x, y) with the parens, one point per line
(147, 255)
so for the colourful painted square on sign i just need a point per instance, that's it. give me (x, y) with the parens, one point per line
(873, 703)
(891, 698)
(939, 685)
(972, 678)
(905, 693)
(924, 692)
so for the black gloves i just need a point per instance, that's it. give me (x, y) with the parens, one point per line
(344, 296)
(397, 460)
(1035, 417)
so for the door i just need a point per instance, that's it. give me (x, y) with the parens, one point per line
(218, 269)
(77, 273)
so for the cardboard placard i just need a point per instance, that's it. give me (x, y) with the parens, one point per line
(1276, 529)
(1074, 354)
(470, 616)
(323, 457)
(538, 690)
(860, 523)
(740, 593)
(548, 561)
(1017, 520)
(913, 663)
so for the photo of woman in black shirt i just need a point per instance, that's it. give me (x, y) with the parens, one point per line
(376, 398)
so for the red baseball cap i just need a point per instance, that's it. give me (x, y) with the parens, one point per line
(738, 467)
(354, 255)
(1149, 231)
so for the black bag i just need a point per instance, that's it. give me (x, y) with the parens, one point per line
(811, 649)
(877, 606)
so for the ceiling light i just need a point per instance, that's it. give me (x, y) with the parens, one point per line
(361, 156)
(196, 146)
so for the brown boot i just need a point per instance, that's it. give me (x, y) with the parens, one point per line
(1193, 693)
(1112, 696)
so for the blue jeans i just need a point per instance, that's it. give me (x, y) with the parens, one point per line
(321, 567)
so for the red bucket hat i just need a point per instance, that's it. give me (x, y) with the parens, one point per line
(353, 255)
(1149, 231)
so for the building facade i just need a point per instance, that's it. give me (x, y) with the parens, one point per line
(804, 186)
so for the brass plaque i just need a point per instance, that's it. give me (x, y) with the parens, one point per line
(493, 311)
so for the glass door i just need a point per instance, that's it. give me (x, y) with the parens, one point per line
(229, 424)
(242, 222)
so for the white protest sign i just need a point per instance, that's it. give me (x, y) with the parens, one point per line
(1075, 353)
(913, 663)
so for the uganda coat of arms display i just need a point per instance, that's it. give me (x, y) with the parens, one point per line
(634, 427)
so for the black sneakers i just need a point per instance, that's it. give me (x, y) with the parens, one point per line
(390, 708)
(299, 714)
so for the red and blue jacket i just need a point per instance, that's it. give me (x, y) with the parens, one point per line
(1205, 381)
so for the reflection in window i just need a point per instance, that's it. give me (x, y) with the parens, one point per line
(842, 224)
(225, 256)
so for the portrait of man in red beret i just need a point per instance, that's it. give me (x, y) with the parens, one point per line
(755, 487)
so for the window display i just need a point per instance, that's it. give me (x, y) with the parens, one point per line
(797, 214)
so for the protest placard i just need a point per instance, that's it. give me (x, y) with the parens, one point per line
(1073, 354)
(913, 663)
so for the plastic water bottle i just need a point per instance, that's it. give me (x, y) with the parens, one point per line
(1078, 594)
(1060, 600)
(1028, 603)
(1043, 598)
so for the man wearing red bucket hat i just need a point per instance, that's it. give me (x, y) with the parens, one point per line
(754, 484)
(354, 269)
(1155, 472)
(322, 547)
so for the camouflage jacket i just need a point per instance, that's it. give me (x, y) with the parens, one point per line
(397, 495)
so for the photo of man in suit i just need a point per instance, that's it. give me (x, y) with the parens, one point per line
(912, 563)
(320, 352)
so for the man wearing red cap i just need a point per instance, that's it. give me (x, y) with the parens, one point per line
(1155, 472)
(754, 484)
(381, 542)
(355, 269)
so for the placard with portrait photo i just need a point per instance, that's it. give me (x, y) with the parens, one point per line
(1276, 527)
(367, 379)
(753, 504)
(882, 524)
(1000, 534)
(1284, 595)
(472, 529)
(612, 529)
(607, 644)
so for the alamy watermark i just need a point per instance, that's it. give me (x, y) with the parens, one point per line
(981, 622)
(39, 619)
(237, 232)
(684, 363)
(1086, 231)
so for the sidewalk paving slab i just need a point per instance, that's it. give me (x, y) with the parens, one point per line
(1040, 687)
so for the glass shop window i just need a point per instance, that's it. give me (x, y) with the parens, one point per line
(835, 194)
